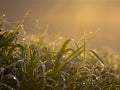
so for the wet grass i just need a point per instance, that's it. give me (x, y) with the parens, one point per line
(40, 65)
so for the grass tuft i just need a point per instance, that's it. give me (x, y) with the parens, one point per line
(35, 65)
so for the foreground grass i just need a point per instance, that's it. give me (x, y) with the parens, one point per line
(39, 66)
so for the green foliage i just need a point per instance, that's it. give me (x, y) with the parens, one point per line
(36, 66)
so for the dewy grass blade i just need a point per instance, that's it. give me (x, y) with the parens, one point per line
(14, 78)
(70, 58)
(60, 53)
(95, 54)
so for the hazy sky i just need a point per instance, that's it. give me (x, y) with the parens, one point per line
(71, 17)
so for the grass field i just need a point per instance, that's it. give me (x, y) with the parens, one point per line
(30, 63)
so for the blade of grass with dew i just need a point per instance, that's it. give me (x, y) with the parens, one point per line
(22, 21)
(60, 53)
(97, 56)
(69, 58)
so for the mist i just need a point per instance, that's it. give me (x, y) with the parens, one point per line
(70, 18)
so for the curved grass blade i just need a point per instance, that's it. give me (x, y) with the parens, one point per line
(15, 78)
(60, 53)
(96, 55)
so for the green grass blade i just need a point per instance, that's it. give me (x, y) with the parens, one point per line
(97, 56)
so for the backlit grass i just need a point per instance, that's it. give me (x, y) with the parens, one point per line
(34, 64)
